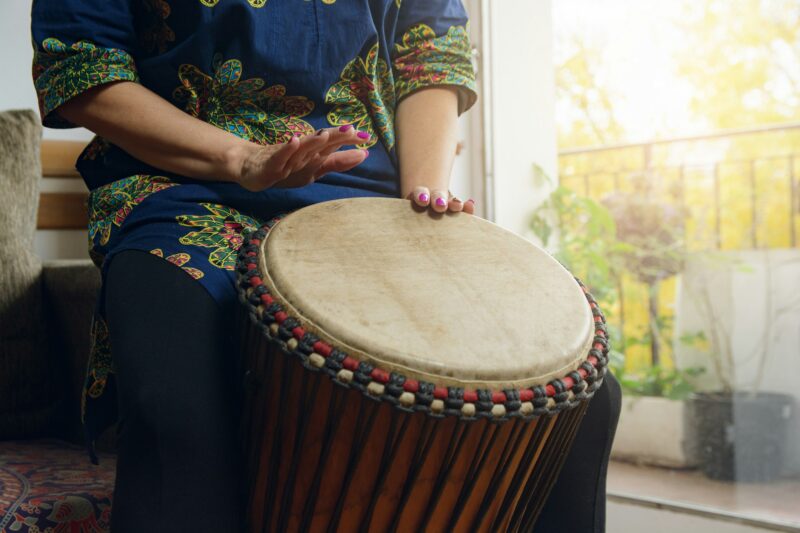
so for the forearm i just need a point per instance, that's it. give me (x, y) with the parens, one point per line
(157, 133)
(426, 128)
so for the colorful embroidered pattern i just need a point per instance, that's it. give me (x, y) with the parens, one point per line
(180, 259)
(96, 148)
(364, 96)
(254, 3)
(99, 361)
(423, 60)
(155, 33)
(62, 72)
(242, 107)
(221, 230)
(111, 204)
(47, 486)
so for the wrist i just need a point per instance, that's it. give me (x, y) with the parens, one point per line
(234, 158)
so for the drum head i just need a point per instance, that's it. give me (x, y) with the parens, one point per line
(450, 299)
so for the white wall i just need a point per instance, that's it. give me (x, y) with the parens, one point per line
(521, 100)
(16, 55)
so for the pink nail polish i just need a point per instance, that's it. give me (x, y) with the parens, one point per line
(423, 197)
(363, 135)
(346, 127)
(366, 153)
(440, 202)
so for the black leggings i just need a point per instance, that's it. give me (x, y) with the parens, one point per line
(178, 466)
(174, 358)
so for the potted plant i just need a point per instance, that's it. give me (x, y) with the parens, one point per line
(738, 431)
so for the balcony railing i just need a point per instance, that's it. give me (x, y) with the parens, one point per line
(738, 188)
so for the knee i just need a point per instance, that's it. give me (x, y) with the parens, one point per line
(610, 396)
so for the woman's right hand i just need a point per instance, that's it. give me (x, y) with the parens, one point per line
(302, 160)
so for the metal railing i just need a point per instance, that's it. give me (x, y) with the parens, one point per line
(760, 191)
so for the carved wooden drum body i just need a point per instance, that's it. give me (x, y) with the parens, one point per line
(408, 371)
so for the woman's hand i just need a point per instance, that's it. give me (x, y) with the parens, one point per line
(440, 201)
(302, 160)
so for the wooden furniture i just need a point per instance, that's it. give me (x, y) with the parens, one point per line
(61, 210)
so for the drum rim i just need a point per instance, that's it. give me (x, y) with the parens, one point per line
(318, 352)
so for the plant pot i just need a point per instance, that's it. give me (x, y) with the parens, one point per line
(651, 431)
(739, 436)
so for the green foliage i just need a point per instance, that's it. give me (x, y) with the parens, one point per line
(586, 236)
(660, 381)
(653, 231)
(656, 380)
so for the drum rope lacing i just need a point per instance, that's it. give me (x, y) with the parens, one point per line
(405, 393)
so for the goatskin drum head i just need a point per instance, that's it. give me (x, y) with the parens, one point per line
(451, 299)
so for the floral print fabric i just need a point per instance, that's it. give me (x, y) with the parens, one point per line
(62, 72)
(242, 107)
(364, 97)
(422, 59)
(263, 70)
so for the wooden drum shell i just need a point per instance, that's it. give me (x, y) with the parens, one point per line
(323, 457)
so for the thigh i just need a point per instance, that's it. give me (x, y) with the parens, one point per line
(174, 362)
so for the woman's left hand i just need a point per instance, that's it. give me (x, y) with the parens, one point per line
(440, 200)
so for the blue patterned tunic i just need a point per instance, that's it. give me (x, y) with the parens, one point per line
(263, 70)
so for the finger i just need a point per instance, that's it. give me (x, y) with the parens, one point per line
(469, 206)
(421, 196)
(439, 200)
(342, 161)
(309, 146)
(455, 205)
(279, 158)
(305, 176)
(344, 136)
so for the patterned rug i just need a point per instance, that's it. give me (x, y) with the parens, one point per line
(49, 486)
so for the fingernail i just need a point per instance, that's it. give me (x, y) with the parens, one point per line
(363, 135)
(440, 202)
(346, 127)
(366, 153)
(423, 197)
(471, 200)
(320, 132)
(456, 199)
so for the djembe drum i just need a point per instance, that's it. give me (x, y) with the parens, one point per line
(408, 371)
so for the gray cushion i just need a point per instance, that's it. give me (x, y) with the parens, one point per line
(71, 288)
(27, 397)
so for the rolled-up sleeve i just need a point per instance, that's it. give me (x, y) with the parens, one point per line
(432, 48)
(79, 44)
